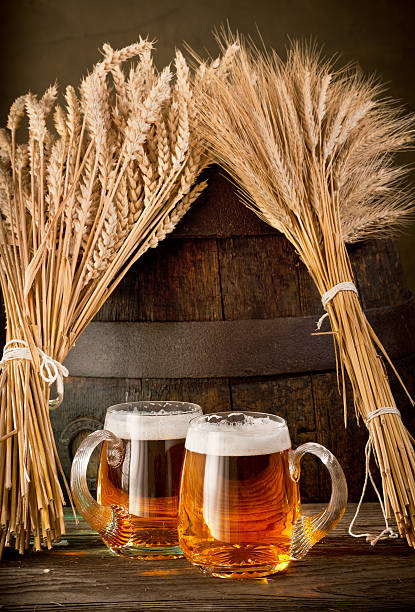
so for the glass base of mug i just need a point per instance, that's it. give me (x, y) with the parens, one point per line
(149, 553)
(234, 573)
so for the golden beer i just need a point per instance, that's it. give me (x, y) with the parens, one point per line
(150, 497)
(138, 478)
(238, 501)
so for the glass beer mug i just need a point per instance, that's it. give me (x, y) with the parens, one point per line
(138, 479)
(239, 510)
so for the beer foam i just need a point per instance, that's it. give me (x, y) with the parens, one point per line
(213, 435)
(150, 420)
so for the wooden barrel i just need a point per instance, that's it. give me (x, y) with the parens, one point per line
(221, 314)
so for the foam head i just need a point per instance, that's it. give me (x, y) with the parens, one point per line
(238, 434)
(151, 420)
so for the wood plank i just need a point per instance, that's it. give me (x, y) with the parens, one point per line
(339, 573)
(258, 277)
(406, 369)
(218, 212)
(378, 273)
(178, 281)
(347, 444)
(241, 603)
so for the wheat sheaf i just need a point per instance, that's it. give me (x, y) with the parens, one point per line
(312, 148)
(84, 192)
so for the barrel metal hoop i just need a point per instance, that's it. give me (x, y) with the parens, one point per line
(217, 349)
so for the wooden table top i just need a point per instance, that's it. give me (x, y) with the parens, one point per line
(339, 573)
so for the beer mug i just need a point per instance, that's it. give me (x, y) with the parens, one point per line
(138, 479)
(239, 509)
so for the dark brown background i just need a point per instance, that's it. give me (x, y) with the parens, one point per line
(44, 40)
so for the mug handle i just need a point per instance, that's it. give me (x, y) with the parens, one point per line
(310, 529)
(111, 522)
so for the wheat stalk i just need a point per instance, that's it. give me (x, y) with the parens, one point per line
(78, 206)
(311, 149)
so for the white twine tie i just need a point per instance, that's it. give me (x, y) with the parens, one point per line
(388, 532)
(331, 293)
(51, 370)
